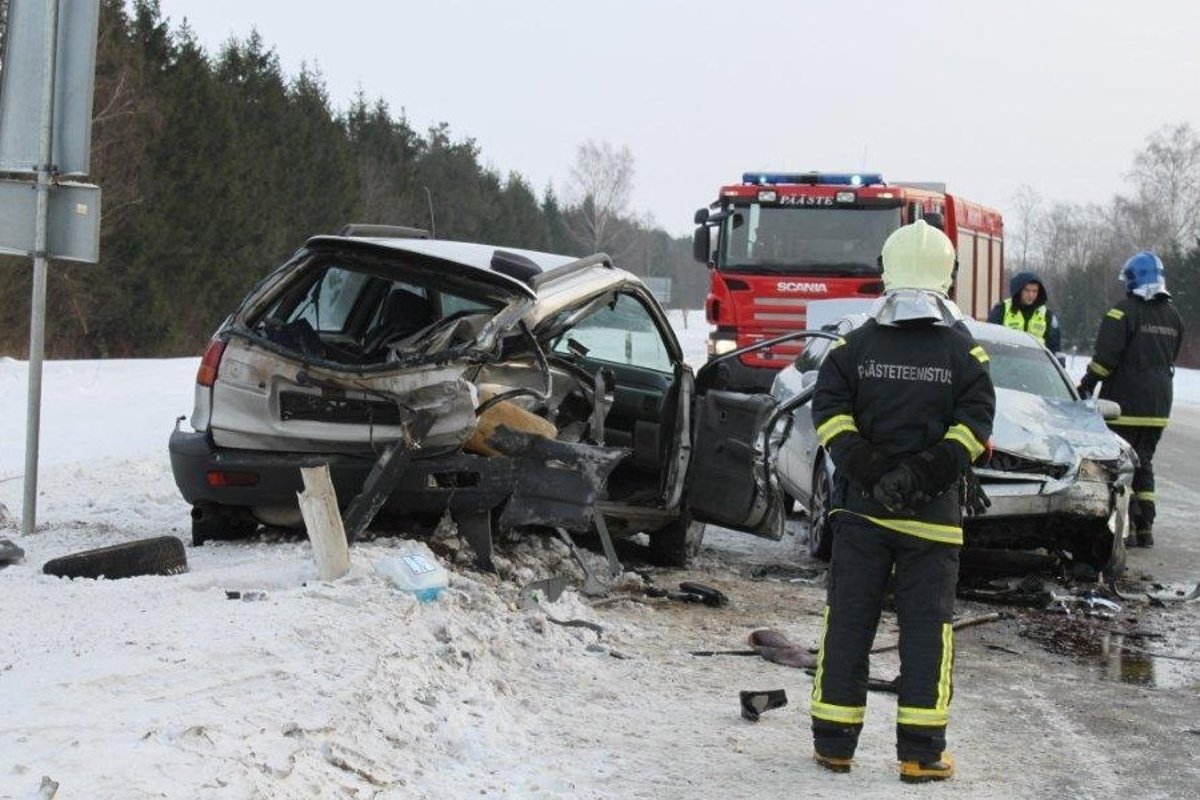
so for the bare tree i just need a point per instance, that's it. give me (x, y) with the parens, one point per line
(600, 185)
(1028, 205)
(1166, 175)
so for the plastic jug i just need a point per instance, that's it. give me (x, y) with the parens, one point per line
(415, 570)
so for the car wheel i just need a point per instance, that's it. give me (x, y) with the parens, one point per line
(676, 544)
(210, 521)
(820, 534)
(162, 555)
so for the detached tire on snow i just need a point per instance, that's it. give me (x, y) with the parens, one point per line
(162, 555)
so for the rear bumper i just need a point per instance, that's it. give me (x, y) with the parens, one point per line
(555, 484)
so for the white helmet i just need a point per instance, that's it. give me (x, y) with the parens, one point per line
(918, 256)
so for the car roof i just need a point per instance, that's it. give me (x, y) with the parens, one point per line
(472, 255)
(982, 331)
(998, 334)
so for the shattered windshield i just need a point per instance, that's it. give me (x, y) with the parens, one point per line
(1026, 369)
(825, 241)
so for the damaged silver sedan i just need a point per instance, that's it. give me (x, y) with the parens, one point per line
(512, 388)
(1058, 478)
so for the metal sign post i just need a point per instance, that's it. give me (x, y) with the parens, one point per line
(46, 87)
(37, 312)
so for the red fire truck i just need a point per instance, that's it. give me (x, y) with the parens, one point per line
(783, 239)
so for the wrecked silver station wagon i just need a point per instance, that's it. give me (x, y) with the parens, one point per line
(512, 388)
(1058, 478)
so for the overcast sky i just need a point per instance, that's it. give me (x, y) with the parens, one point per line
(982, 96)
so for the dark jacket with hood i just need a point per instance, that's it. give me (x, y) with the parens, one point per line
(1053, 336)
(1135, 354)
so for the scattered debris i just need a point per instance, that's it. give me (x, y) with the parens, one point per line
(47, 789)
(958, 624)
(776, 648)
(691, 592)
(10, 553)
(755, 703)
(548, 589)
(592, 587)
(161, 555)
(789, 573)
(234, 594)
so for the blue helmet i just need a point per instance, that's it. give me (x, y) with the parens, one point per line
(1144, 275)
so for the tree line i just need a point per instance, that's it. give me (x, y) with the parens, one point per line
(215, 167)
(1079, 248)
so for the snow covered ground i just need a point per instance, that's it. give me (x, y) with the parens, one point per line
(164, 687)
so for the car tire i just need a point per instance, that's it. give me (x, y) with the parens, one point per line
(211, 521)
(162, 555)
(677, 543)
(820, 533)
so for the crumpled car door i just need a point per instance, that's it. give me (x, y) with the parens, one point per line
(731, 481)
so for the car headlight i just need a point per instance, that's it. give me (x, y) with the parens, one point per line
(719, 347)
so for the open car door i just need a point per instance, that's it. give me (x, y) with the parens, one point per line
(731, 481)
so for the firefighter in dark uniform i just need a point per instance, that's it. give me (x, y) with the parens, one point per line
(904, 404)
(1134, 357)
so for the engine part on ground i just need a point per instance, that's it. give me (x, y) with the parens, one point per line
(161, 555)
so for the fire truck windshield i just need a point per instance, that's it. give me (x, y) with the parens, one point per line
(817, 241)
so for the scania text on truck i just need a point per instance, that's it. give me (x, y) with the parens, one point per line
(775, 241)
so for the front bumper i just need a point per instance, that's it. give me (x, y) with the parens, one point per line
(1049, 513)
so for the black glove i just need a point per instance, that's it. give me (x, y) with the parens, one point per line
(862, 464)
(937, 468)
(1087, 385)
(897, 490)
(974, 499)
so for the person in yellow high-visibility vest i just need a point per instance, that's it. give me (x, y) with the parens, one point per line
(1026, 310)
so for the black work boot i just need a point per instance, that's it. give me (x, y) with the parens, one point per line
(1145, 537)
(926, 771)
(832, 763)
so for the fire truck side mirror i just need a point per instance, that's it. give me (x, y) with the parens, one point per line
(701, 244)
(701, 216)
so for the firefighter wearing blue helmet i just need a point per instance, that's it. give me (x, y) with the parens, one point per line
(1134, 360)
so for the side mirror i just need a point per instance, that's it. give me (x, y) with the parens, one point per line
(701, 244)
(1108, 409)
(701, 216)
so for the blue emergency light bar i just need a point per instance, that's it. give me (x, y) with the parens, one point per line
(813, 178)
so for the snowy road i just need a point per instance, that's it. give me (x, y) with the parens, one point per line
(161, 687)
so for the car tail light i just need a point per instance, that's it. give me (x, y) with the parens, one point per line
(207, 374)
(229, 477)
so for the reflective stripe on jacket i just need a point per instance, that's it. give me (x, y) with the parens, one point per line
(1035, 325)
